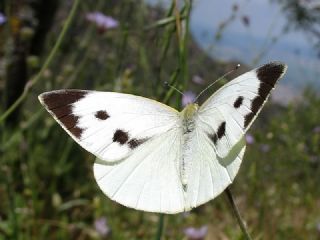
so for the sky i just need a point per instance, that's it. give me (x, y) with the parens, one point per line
(246, 43)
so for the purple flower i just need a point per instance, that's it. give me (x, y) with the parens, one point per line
(3, 18)
(310, 4)
(249, 138)
(246, 21)
(318, 227)
(101, 226)
(314, 159)
(264, 148)
(198, 80)
(316, 129)
(185, 214)
(196, 233)
(235, 7)
(188, 97)
(102, 21)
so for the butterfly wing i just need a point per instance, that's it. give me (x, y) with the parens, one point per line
(141, 142)
(207, 173)
(109, 125)
(137, 142)
(148, 179)
(217, 145)
(231, 110)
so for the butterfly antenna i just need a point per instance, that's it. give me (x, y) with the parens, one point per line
(223, 76)
(174, 88)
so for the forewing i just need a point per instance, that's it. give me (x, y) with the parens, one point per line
(109, 125)
(228, 113)
(217, 144)
(137, 142)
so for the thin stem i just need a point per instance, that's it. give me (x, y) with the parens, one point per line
(12, 206)
(173, 79)
(45, 65)
(160, 227)
(183, 35)
(184, 65)
(166, 43)
(237, 214)
(178, 20)
(164, 22)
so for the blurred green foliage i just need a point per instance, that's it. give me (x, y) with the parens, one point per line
(47, 189)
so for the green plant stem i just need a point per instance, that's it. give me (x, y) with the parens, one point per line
(163, 22)
(168, 94)
(12, 206)
(237, 214)
(184, 64)
(160, 227)
(182, 29)
(166, 43)
(45, 65)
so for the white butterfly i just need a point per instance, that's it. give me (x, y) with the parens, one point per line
(154, 158)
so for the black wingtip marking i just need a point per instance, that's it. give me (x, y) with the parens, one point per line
(120, 136)
(63, 111)
(268, 75)
(102, 115)
(238, 102)
(133, 143)
(59, 103)
(248, 118)
(70, 122)
(256, 104)
(76, 131)
(57, 99)
(264, 90)
(271, 72)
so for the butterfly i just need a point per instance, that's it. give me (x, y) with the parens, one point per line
(154, 158)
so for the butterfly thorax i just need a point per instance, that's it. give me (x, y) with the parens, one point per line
(187, 115)
(188, 125)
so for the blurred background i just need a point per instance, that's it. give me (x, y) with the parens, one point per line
(47, 189)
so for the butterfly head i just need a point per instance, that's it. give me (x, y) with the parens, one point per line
(190, 110)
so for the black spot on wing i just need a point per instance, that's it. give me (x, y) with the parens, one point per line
(271, 72)
(133, 143)
(221, 130)
(238, 102)
(214, 138)
(220, 133)
(102, 115)
(120, 136)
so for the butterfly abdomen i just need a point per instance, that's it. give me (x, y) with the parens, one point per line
(188, 125)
